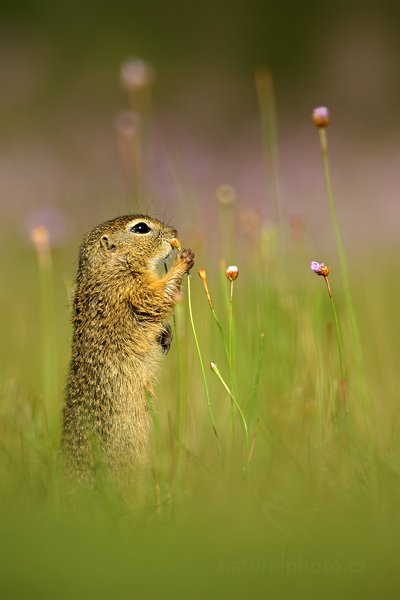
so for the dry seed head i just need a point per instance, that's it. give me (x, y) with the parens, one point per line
(226, 195)
(320, 116)
(203, 277)
(232, 272)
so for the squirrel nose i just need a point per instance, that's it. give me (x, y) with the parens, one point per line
(174, 233)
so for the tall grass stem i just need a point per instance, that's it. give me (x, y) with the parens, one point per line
(40, 238)
(257, 377)
(269, 128)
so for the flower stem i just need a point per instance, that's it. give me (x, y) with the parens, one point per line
(343, 265)
(230, 360)
(230, 333)
(332, 208)
(215, 370)
(203, 278)
(203, 372)
(221, 332)
(339, 343)
(181, 397)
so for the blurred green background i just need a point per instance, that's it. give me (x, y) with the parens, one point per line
(314, 519)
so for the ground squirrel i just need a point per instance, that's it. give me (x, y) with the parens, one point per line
(120, 330)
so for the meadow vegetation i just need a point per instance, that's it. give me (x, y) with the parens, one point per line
(273, 474)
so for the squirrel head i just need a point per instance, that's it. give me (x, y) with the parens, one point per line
(132, 243)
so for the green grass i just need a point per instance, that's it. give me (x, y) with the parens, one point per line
(315, 511)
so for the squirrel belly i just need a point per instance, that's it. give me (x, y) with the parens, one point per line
(120, 333)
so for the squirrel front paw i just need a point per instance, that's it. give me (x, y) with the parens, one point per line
(187, 257)
(165, 338)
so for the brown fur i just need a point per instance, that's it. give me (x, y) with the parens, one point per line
(120, 313)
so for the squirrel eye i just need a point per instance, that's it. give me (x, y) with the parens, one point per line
(140, 228)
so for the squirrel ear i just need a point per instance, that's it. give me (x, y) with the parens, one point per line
(107, 244)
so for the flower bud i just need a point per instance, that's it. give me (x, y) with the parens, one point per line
(320, 116)
(232, 272)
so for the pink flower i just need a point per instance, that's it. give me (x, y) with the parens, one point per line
(320, 116)
(320, 268)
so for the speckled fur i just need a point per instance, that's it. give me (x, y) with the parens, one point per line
(121, 307)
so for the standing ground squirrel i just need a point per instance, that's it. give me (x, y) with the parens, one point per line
(120, 331)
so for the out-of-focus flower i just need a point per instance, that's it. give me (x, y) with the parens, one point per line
(40, 239)
(320, 268)
(226, 195)
(54, 220)
(232, 272)
(250, 221)
(263, 80)
(297, 227)
(136, 74)
(320, 116)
